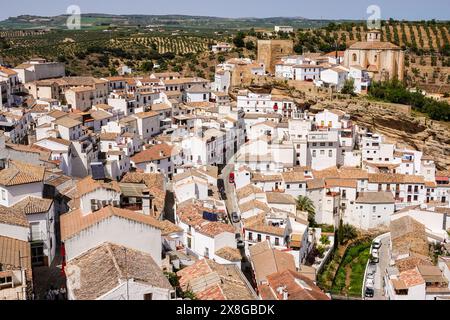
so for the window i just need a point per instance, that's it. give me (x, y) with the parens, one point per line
(288, 186)
(206, 253)
(322, 152)
(6, 282)
(259, 237)
(277, 241)
(374, 209)
(148, 296)
(314, 153)
(267, 238)
(3, 195)
(189, 242)
(250, 236)
(354, 57)
(330, 153)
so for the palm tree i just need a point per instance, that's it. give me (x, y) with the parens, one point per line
(346, 232)
(306, 205)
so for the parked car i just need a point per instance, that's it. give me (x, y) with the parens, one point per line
(240, 244)
(376, 244)
(375, 253)
(235, 217)
(369, 292)
(374, 260)
(370, 283)
(370, 276)
(231, 178)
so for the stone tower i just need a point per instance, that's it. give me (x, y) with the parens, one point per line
(269, 51)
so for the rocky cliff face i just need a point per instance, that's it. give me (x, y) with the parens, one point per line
(430, 137)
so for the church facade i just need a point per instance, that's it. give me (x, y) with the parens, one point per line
(383, 60)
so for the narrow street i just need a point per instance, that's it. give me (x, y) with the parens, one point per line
(230, 193)
(380, 270)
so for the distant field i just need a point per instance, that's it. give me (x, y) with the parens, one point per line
(164, 20)
(426, 43)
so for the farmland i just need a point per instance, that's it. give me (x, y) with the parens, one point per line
(98, 51)
(171, 41)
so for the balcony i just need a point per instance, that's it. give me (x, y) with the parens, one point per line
(36, 236)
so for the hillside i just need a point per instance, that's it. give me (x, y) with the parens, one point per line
(170, 41)
(98, 20)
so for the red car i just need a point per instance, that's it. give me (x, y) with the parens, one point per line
(231, 178)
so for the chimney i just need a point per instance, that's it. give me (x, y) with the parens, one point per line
(146, 202)
(285, 294)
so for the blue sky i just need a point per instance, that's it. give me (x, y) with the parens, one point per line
(326, 9)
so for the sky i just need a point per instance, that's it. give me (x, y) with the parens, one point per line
(313, 9)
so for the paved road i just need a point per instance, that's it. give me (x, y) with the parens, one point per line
(381, 268)
(230, 201)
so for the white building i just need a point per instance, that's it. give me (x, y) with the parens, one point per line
(334, 77)
(81, 232)
(115, 272)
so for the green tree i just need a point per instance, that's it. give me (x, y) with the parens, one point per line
(346, 232)
(113, 72)
(221, 59)
(250, 45)
(298, 48)
(189, 295)
(238, 40)
(147, 66)
(173, 279)
(349, 87)
(305, 204)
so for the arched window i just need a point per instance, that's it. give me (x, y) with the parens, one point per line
(376, 58)
(355, 57)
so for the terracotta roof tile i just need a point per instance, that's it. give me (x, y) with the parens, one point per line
(267, 261)
(107, 266)
(297, 286)
(13, 217)
(230, 254)
(19, 172)
(10, 250)
(88, 185)
(210, 280)
(74, 222)
(32, 205)
(156, 152)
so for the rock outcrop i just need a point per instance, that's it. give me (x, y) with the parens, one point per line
(430, 137)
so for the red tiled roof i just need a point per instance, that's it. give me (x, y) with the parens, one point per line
(156, 152)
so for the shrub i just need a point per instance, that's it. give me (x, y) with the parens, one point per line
(395, 92)
(324, 240)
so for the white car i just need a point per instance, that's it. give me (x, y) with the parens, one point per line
(370, 283)
(376, 244)
(375, 253)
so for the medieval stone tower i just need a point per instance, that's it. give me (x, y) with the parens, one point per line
(269, 51)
